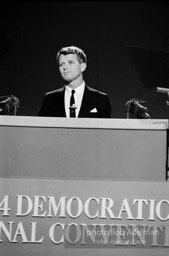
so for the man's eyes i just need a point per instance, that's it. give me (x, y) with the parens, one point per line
(69, 62)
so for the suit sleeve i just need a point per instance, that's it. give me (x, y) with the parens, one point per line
(104, 107)
(43, 109)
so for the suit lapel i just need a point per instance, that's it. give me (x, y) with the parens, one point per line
(86, 103)
(61, 104)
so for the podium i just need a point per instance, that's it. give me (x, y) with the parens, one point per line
(117, 149)
(59, 178)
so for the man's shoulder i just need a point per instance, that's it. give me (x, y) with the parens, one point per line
(94, 91)
(55, 92)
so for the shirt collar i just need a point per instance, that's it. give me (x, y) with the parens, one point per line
(77, 90)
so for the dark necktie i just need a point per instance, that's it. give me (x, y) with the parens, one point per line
(72, 105)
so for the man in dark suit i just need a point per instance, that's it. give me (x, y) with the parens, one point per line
(75, 99)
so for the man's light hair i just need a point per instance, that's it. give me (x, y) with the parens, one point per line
(81, 56)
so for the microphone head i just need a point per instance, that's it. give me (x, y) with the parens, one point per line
(8, 104)
(136, 110)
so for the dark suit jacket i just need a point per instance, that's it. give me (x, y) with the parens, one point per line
(53, 104)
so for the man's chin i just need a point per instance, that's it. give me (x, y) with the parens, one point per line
(68, 82)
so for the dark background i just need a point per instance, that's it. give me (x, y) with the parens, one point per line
(32, 32)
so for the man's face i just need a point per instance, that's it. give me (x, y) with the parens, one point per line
(69, 67)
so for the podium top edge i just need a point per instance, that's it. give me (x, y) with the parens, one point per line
(84, 123)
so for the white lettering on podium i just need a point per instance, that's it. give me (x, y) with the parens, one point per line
(15, 232)
(140, 208)
(125, 208)
(158, 209)
(53, 207)
(103, 208)
(86, 207)
(52, 232)
(106, 208)
(4, 207)
(79, 207)
(28, 203)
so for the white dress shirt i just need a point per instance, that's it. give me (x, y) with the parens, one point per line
(78, 95)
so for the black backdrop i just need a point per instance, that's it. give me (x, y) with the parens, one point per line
(31, 33)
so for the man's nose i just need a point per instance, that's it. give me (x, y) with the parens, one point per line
(65, 66)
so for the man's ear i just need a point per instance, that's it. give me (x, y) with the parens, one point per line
(83, 66)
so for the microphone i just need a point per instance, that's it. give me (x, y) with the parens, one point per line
(136, 110)
(8, 104)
